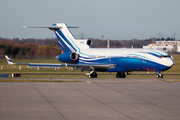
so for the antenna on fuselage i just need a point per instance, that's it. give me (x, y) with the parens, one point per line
(108, 43)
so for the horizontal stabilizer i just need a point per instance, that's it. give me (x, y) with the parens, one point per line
(42, 26)
(51, 26)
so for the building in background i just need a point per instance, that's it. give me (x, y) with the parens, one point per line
(168, 46)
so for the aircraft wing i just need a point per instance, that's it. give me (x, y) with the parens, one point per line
(91, 66)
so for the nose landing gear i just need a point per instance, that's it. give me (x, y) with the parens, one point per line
(160, 75)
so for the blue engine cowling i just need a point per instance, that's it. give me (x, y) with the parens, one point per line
(69, 57)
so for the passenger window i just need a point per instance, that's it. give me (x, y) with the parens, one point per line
(160, 56)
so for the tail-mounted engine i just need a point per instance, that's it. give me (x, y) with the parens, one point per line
(74, 56)
(69, 57)
(83, 43)
(88, 42)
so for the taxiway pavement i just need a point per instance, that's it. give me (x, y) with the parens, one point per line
(101, 99)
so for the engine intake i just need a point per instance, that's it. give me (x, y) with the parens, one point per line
(69, 57)
(74, 56)
(89, 42)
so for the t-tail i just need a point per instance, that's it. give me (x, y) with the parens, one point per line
(68, 43)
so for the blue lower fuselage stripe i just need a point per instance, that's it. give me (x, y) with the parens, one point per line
(127, 64)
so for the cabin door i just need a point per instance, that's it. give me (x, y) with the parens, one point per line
(109, 58)
(144, 59)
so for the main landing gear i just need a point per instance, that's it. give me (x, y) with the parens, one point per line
(92, 74)
(120, 75)
(159, 75)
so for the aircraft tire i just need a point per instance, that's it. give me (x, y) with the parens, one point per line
(157, 76)
(93, 75)
(124, 75)
(117, 75)
(161, 75)
(120, 75)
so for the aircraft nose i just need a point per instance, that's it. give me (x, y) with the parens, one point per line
(172, 60)
(171, 63)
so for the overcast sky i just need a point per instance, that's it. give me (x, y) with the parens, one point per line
(116, 19)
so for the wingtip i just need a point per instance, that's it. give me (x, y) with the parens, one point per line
(6, 57)
(8, 60)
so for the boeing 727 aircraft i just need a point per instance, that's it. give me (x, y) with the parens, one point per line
(77, 53)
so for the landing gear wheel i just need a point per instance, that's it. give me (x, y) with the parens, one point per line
(93, 75)
(159, 75)
(120, 75)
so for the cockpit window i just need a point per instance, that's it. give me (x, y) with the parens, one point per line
(164, 56)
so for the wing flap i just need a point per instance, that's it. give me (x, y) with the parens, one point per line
(93, 66)
(44, 65)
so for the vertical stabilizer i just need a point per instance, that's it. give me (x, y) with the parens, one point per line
(65, 38)
(8, 60)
